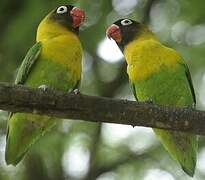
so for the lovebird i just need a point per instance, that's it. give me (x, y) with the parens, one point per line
(55, 61)
(158, 74)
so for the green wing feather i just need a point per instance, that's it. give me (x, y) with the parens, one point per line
(188, 75)
(28, 62)
(26, 66)
(134, 90)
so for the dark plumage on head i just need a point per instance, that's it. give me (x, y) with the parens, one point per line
(123, 31)
(68, 16)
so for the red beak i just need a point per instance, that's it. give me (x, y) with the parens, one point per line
(78, 16)
(114, 32)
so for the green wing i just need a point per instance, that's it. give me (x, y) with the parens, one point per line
(26, 66)
(28, 62)
(134, 90)
(188, 75)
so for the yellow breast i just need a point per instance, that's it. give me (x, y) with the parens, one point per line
(146, 57)
(64, 49)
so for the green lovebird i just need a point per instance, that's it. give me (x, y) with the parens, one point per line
(55, 61)
(158, 74)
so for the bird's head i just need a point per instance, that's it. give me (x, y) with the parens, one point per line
(124, 31)
(61, 19)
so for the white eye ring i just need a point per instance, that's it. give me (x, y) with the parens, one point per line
(126, 22)
(62, 9)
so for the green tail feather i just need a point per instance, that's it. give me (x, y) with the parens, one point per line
(190, 171)
(24, 130)
(181, 146)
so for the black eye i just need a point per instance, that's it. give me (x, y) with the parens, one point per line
(126, 22)
(62, 9)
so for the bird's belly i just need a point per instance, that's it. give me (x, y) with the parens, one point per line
(52, 74)
(166, 87)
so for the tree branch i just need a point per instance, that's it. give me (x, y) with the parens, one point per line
(17, 98)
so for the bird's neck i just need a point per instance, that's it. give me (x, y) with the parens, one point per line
(49, 30)
(140, 36)
(144, 41)
(144, 34)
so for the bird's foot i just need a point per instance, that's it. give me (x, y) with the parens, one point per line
(150, 101)
(192, 106)
(74, 91)
(43, 87)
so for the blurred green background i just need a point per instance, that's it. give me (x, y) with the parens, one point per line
(78, 150)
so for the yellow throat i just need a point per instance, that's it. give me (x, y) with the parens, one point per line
(145, 55)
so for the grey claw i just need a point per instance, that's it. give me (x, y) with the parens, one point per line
(43, 87)
(150, 101)
(74, 91)
(192, 106)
